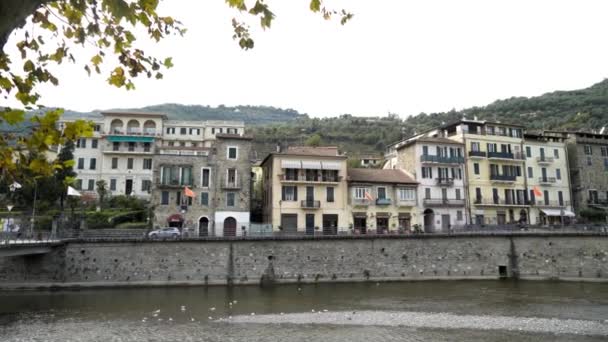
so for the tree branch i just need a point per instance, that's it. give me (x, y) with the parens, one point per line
(13, 14)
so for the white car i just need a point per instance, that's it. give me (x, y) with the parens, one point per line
(165, 233)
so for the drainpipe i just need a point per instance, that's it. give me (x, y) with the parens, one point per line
(525, 174)
(467, 200)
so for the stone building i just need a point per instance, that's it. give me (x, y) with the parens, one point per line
(219, 176)
(588, 159)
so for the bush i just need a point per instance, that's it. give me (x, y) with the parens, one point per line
(127, 202)
(593, 215)
(99, 219)
(131, 216)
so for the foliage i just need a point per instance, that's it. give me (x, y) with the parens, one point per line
(130, 216)
(123, 202)
(593, 215)
(102, 191)
(314, 140)
(353, 163)
(132, 225)
(66, 175)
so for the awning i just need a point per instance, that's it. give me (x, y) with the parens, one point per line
(311, 164)
(405, 215)
(128, 138)
(327, 165)
(360, 215)
(557, 212)
(175, 218)
(291, 164)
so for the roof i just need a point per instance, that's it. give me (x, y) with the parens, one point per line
(330, 151)
(431, 140)
(233, 136)
(128, 113)
(379, 176)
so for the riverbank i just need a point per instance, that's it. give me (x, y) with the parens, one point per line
(137, 263)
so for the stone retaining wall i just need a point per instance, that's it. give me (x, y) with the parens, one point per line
(139, 263)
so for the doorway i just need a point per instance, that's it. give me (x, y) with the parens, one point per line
(360, 222)
(445, 223)
(289, 223)
(230, 226)
(203, 226)
(429, 220)
(330, 224)
(128, 187)
(310, 224)
(381, 224)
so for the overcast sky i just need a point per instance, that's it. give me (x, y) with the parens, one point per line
(401, 56)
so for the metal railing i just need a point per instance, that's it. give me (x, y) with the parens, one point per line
(444, 181)
(544, 160)
(477, 154)
(425, 158)
(499, 201)
(384, 201)
(541, 203)
(503, 178)
(361, 202)
(231, 183)
(310, 204)
(443, 202)
(547, 180)
(312, 179)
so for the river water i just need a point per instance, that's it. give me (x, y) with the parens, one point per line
(408, 311)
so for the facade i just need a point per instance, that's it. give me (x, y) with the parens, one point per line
(304, 190)
(548, 183)
(588, 160)
(437, 164)
(381, 201)
(370, 161)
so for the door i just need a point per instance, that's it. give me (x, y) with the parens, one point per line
(544, 173)
(230, 226)
(501, 218)
(289, 223)
(310, 224)
(310, 196)
(330, 224)
(381, 225)
(128, 187)
(429, 221)
(203, 226)
(445, 223)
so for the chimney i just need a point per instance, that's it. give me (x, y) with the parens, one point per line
(278, 148)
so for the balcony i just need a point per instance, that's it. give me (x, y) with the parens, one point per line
(303, 179)
(127, 150)
(443, 202)
(174, 183)
(231, 184)
(178, 152)
(477, 154)
(133, 131)
(360, 202)
(506, 156)
(544, 160)
(503, 178)
(444, 181)
(426, 159)
(547, 180)
(556, 204)
(501, 202)
(406, 203)
(310, 204)
(384, 201)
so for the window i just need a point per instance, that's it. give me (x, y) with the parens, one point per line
(425, 150)
(230, 199)
(147, 147)
(546, 196)
(476, 168)
(81, 143)
(178, 198)
(330, 194)
(113, 184)
(407, 194)
(195, 131)
(530, 173)
(170, 130)
(495, 195)
(94, 143)
(589, 162)
(232, 153)
(606, 164)
(427, 172)
(458, 194)
(359, 193)
(115, 146)
(518, 171)
(492, 147)
(205, 198)
(129, 163)
(131, 146)
(558, 174)
(381, 193)
(114, 163)
(80, 163)
(205, 176)
(528, 152)
(475, 146)
(164, 198)
(146, 185)
(604, 151)
(459, 215)
(147, 164)
(182, 130)
(556, 153)
(478, 194)
(91, 185)
(212, 130)
(560, 198)
(93, 163)
(290, 193)
(182, 144)
(588, 150)
(78, 184)
(97, 128)
(427, 193)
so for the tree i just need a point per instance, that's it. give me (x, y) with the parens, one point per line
(65, 175)
(314, 140)
(102, 191)
(109, 27)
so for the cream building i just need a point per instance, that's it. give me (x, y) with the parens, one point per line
(304, 190)
(547, 173)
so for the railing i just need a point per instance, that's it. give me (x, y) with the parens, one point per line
(501, 155)
(361, 202)
(127, 150)
(406, 203)
(183, 152)
(441, 159)
(499, 201)
(316, 179)
(175, 183)
(444, 181)
(503, 178)
(542, 203)
(547, 180)
(443, 202)
(231, 183)
(383, 201)
(544, 160)
(310, 204)
(477, 154)
(133, 131)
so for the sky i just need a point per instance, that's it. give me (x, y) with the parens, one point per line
(399, 56)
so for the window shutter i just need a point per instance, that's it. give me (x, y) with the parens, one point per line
(295, 193)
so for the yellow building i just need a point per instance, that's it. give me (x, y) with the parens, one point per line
(304, 190)
(495, 176)
(381, 201)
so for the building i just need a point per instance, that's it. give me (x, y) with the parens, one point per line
(381, 201)
(304, 190)
(370, 161)
(588, 159)
(547, 176)
(219, 176)
(437, 165)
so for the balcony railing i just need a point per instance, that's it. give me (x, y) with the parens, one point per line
(503, 178)
(127, 150)
(384, 201)
(359, 202)
(231, 183)
(183, 152)
(175, 183)
(477, 154)
(406, 203)
(443, 202)
(506, 156)
(133, 131)
(441, 159)
(310, 204)
(500, 201)
(541, 203)
(544, 160)
(444, 181)
(547, 180)
(318, 179)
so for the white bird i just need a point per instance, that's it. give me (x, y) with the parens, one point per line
(282, 314)
(191, 319)
(157, 311)
(155, 315)
(235, 302)
(229, 317)
(160, 319)
(183, 308)
(313, 310)
(253, 314)
(212, 309)
(210, 317)
(324, 310)
(170, 319)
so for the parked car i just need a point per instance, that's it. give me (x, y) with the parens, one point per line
(165, 233)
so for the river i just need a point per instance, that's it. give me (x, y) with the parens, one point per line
(407, 311)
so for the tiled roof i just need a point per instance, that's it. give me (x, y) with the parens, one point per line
(379, 176)
(431, 140)
(233, 136)
(329, 151)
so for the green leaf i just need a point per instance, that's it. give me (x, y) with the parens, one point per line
(315, 5)
(13, 116)
(168, 62)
